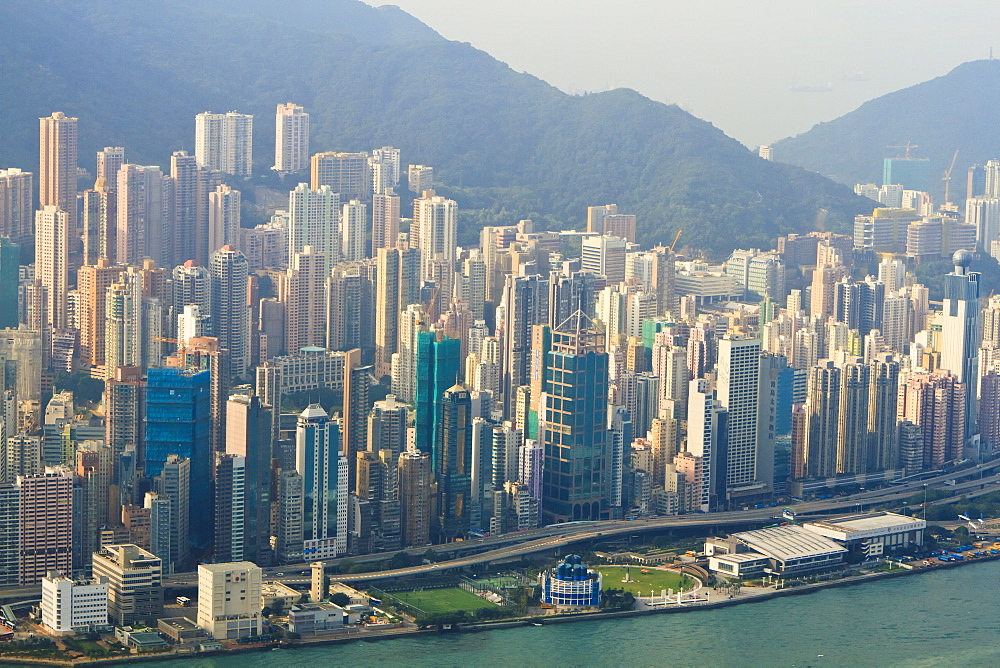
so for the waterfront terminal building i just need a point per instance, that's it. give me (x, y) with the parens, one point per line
(571, 583)
(788, 551)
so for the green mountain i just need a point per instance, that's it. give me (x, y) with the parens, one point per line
(953, 112)
(505, 144)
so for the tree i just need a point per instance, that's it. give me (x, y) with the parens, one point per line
(399, 560)
(341, 599)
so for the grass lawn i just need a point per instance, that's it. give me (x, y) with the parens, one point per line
(443, 600)
(654, 580)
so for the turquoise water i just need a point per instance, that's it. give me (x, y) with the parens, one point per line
(945, 618)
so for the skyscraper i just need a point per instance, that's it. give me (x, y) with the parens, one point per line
(16, 212)
(415, 497)
(230, 314)
(10, 259)
(852, 423)
(291, 142)
(435, 226)
(453, 463)
(353, 225)
(248, 435)
(822, 409)
(100, 220)
(314, 220)
(145, 215)
(345, 173)
(305, 300)
(177, 422)
(605, 256)
(323, 468)
(387, 425)
(57, 162)
(525, 304)
(174, 484)
(573, 424)
(52, 233)
(46, 504)
(960, 332)
(223, 218)
(109, 160)
(224, 142)
(385, 220)
(193, 183)
(438, 367)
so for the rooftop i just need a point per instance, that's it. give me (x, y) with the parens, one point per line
(788, 543)
(866, 522)
(740, 558)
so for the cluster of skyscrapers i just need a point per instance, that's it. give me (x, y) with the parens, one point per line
(535, 377)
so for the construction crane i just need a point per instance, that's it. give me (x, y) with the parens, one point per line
(676, 237)
(907, 148)
(947, 180)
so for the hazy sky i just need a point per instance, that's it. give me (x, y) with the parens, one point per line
(732, 62)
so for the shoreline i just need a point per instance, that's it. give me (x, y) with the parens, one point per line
(505, 624)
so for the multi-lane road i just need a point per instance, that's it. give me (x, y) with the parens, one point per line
(968, 482)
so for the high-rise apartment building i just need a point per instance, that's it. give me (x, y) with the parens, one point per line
(230, 312)
(174, 484)
(291, 142)
(193, 184)
(17, 215)
(223, 218)
(53, 228)
(305, 300)
(345, 173)
(353, 227)
(109, 160)
(420, 178)
(386, 167)
(145, 215)
(435, 226)
(230, 478)
(224, 142)
(57, 165)
(314, 220)
(385, 220)
(93, 282)
(100, 220)
(288, 531)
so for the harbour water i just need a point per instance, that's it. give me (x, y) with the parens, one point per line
(949, 617)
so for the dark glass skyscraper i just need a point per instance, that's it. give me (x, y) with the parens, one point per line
(177, 422)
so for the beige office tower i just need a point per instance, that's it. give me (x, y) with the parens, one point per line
(436, 220)
(93, 282)
(305, 303)
(229, 599)
(346, 173)
(223, 218)
(385, 220)
(135, 582)
(224, 142)
(16, 211)
(57, 164)
(415, 497)
(109, 161)
(52, 233)
(46, 502)
(291, 140)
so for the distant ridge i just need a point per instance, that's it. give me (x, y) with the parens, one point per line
(507, 145)
(957, 111)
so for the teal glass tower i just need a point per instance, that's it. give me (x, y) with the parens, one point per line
(438, 365)
(10, 259)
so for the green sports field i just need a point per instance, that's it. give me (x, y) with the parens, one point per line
(654, 581)
(443, 600)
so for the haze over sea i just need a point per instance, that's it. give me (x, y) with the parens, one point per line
(946, 617)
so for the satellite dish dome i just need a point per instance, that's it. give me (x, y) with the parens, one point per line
(962, 258)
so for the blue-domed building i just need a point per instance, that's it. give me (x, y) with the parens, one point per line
(571, 583)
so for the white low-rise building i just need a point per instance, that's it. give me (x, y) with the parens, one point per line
(69, 606)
